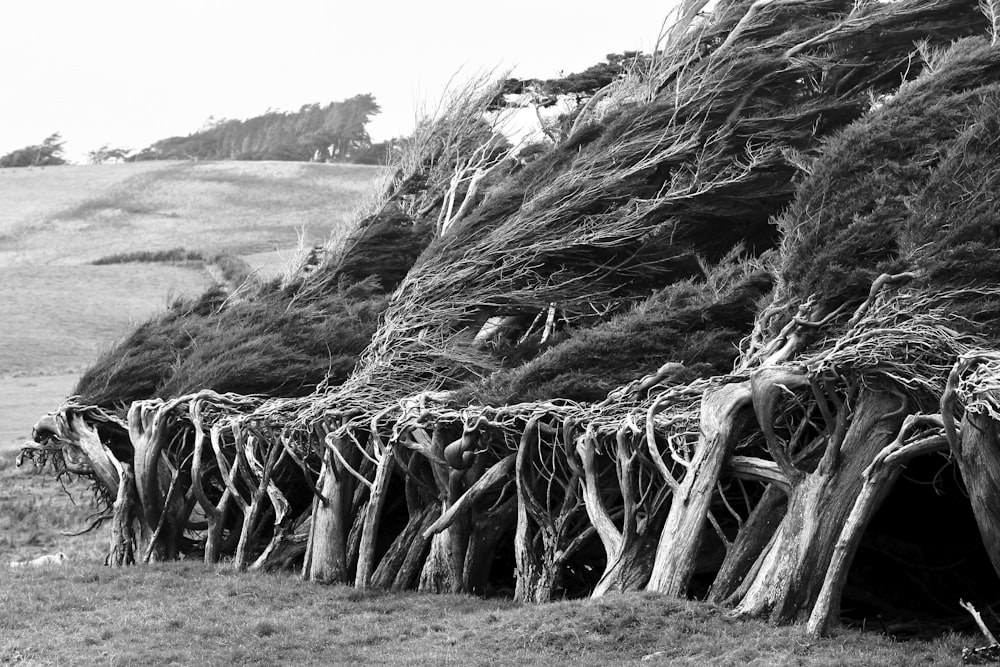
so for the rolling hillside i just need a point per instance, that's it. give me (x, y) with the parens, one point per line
(58, 311)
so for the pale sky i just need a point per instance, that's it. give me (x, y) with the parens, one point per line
(130, 72)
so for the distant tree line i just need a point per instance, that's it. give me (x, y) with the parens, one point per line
(335, 133)
(578, 84)
(46, 154)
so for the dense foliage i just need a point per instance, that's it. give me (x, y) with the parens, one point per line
(46, 154)
(267, 345)
(687, 348)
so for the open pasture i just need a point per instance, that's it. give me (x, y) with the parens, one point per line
(58, 312)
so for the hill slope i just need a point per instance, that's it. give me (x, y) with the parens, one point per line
(58, 311)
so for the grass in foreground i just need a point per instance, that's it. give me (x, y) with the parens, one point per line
(35, 511)
(190, 613)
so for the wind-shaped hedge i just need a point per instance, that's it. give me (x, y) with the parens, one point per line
(579, 388)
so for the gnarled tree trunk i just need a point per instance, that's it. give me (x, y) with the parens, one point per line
(794, 565)
(722, 419)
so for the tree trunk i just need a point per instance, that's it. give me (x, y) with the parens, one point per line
(243, 555)
(411, 539)
(409, 572)
(488, 529)
(101, 460)
(122, 551)
(536, 577)
(216, 525)
(286, 545)
(794, 566)
(144, 421)
(722, 412)
(749, 544)
(979, 463)
(630, 568)
(326, 553)
(372, 519)
(879, 479)
(438, 575)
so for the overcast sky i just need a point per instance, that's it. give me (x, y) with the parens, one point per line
(130, 72)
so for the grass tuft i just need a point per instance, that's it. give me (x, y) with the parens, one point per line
(265, 629)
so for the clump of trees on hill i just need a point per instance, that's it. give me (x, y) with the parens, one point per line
(687, 349)
(335, 132)
(46, 154)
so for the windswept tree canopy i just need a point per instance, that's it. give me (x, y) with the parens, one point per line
(687, 349)
(46, 154)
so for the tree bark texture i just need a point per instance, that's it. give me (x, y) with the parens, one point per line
(793, 566)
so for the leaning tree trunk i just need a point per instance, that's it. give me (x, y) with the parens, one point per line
(979, 463)
(326, 553)
(976, 447)
(722, 412)
(629, 551)
(750, 542)
(118, 479)
(400, 567)
(879, 479)
(123, 545)
(794, 565)
(489, 527)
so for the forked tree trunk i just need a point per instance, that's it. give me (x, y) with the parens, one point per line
(542, 539)
(216, 526)
(879, 479)
(722, 419)
(630, 550)
(144, 421)
(794, 565)
(749, 544)
(402, 561)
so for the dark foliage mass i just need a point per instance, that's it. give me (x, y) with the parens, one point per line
(632, 202)
(688, 323)
(173, 255)
(853, 217)
(335, 132)
(49, 153)
(267, 345)
(959, 190)
(580, 84)
(384, 246)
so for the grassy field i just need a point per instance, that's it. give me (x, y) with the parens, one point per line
(188, 613)
(193, 614)
(57, 311)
